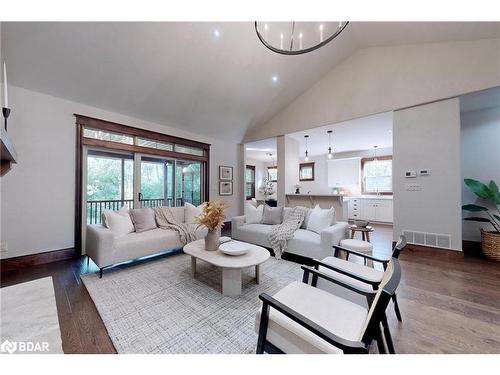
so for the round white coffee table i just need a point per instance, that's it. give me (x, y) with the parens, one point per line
(231, 265)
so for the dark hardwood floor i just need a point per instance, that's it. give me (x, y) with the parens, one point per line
(450, 303)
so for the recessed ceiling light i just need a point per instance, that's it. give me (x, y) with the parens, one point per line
(216, 33)
(274, 78)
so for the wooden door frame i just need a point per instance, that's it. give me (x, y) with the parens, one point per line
(94, 123)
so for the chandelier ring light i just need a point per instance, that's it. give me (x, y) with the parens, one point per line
(293, 43)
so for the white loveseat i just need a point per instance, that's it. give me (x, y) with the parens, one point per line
(304, 242)
(105, 249)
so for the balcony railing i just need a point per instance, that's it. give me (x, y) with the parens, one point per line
(95, 208)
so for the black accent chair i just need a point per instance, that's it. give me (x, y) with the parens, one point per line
(302, 318)
(357, 274)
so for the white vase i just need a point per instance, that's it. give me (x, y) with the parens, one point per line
(212, 240)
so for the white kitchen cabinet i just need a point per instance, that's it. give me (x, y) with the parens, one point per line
(380, 210)
(383, 211)
(344, 172)
(354, 208)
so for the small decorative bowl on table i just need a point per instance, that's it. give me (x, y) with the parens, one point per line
(361, 223)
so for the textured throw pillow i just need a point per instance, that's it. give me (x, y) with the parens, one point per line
(143, 219)
(306, 218)
(253, 215)
(320, 219)
(272, 215)
(118, 222)
(191, 211)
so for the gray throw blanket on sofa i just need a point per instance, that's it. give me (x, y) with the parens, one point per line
(281, 233)
(166, 220)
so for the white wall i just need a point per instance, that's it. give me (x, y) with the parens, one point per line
(428, 136)
(320, 183)
(480, 160)
(381, 79)
(291, 161)
(38, 194)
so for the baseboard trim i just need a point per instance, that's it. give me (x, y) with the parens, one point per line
(16, 263)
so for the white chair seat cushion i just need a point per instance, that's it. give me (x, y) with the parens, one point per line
(357, 245)
(354, 269)
(368, 273)
(338, 316)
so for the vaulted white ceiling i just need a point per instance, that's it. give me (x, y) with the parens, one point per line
(181, 74)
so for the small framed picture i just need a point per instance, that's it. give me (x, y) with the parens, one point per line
(225, 187)
(225, 173)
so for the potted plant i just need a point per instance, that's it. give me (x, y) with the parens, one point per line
(267, 188)
(490, 240)
(213, 218)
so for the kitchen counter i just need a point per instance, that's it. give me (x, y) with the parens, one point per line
(384, 197)
(323, 200)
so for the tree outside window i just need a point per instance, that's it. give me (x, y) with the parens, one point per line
(377, 176)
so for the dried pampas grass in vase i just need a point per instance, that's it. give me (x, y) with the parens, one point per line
(213, 218)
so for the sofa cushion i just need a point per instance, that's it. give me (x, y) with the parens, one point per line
(253, 215)
(306, 219)
(254, 233)
(118, 222)
(136, 245)
(143, 219)
(320, 219)
(287, 210)
(178, 213)
(338, 316)
(305, 243)
(191, 212)
(272, 215)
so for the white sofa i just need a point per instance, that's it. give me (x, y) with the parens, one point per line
(304, 242)
(105, 250)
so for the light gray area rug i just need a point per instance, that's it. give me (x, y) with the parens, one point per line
(29, 321)
(157, 307)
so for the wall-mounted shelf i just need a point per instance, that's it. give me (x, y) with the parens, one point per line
(8, 153)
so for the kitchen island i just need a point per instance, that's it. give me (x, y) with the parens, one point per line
(323, 200)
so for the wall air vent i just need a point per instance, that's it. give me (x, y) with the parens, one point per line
(428, 239)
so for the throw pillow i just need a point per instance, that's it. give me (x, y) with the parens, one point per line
(191, 211)
(272, 215)
(122, 211)
(143, 219)
(320, 219)
(118, 222)
(253, 215)
(306, 218)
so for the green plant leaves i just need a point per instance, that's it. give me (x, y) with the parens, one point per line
(494, 192)
(473, 208)
(480, 219)
(480, 189)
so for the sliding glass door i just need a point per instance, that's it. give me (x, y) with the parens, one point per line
(110, 182)
(157, 182)
(189, 182)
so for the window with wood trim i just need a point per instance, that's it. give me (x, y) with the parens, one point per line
(306, 171)
(272, 174)
(172, 170)
(377, 175)
(250, 181)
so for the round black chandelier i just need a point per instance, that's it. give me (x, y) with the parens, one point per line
(296, 38)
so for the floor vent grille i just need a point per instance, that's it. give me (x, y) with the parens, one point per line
(428, 239)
